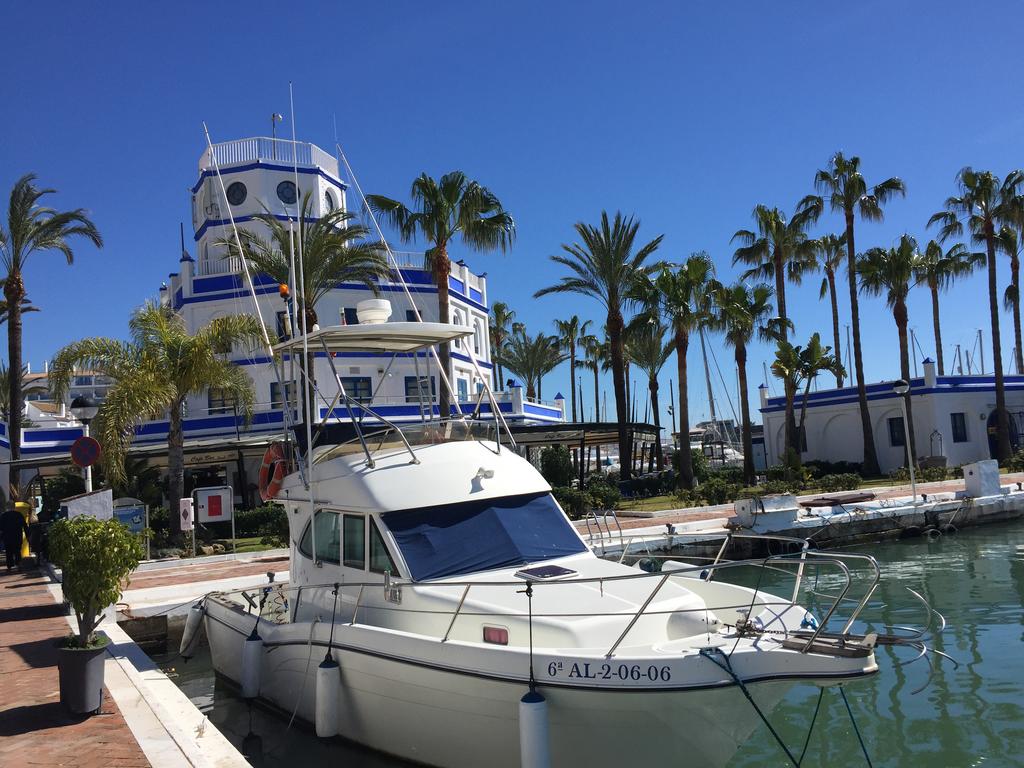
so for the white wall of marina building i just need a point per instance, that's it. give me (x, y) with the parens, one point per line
(259, 177)
(953, 416)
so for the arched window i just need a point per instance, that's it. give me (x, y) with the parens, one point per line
(328, 201)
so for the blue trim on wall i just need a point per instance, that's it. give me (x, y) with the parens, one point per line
(207, 223)
(1016, 386)
(270, 167)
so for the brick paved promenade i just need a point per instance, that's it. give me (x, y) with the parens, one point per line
(35, 730)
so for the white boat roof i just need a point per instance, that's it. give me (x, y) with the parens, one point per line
(377, 337)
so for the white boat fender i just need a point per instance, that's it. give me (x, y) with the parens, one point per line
(327, 687)
(190, 637)
(534, 745)
(252, 663)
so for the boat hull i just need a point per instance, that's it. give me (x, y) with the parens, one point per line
(443, 717)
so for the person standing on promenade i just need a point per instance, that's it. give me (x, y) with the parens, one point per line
(12, 528)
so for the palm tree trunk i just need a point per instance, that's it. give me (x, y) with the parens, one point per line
(530, 391)
(597, 411)
(835, 324)
(1015, 282)
(685, 479)
(653, 386)
(780, 293)
(175, 463)
(572, 379)
(792, 458)
(792, 448)
(14, 292)
(1002, 417)
(899, 312)
(748, 446)
(442, 269)
(934, 288)
(619, 382)
(870, 466)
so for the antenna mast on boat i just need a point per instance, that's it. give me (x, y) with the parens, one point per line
(307, 416)
(249, 282)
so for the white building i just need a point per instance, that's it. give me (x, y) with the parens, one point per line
(954, 418)
(258, 176)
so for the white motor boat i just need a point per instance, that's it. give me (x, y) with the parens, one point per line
(434, 573)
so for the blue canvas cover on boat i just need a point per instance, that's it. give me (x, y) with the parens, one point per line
(453, 539)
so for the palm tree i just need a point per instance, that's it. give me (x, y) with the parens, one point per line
(569, 334)
(937, 269)
(743, 312)
(847, 192)
(681, 296)
(830, 251)
(605, 266)
(803, 365)
(780, 249)
(26, 304)
(891, 271)
(1010, 244)
(649, 352)
(153, 374)
(334, 248)
(595, 353)
(531, 358)
(985, 204)
(443, 210)
(502, 320)
(815, 359)
(31, 228)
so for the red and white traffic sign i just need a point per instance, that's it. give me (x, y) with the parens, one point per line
(85, 451)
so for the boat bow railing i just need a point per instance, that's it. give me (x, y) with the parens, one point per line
(793, 564)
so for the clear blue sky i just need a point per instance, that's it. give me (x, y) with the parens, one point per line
(685, 114)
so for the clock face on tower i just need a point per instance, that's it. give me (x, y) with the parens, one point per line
(237, 193)
(286, 192)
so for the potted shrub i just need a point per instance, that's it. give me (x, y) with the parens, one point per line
(95, 557)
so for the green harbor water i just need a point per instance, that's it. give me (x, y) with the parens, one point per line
(970, 715)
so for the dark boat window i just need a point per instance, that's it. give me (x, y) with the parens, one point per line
(453, 539)
(380, 558)
(328, 538)
(355, 542)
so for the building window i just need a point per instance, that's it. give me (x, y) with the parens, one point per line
(959, 424)
(328, 201)
(463, 389)
(478, 335)
(237, 193)
(275, 395)
(286, 193)
(349, 316)
(410, 316)
(897, 438)
(219, 400)
(358, 387)
(328, 538)
(283, 325)
(354, 542)
(458, 319)
(83, 381)
(415, 387)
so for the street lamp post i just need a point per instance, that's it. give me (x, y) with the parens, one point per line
(85, 409)
(901, 388)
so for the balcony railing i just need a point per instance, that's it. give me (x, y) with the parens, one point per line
(261, 148)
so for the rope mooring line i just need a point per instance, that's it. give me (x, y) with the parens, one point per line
(856, 730)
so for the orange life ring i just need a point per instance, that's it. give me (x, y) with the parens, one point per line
(272, 471)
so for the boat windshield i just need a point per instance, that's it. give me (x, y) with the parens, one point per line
(454, 539)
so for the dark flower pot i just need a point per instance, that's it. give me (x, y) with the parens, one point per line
(81, 677)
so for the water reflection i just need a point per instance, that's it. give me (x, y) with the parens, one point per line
(971, 715)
